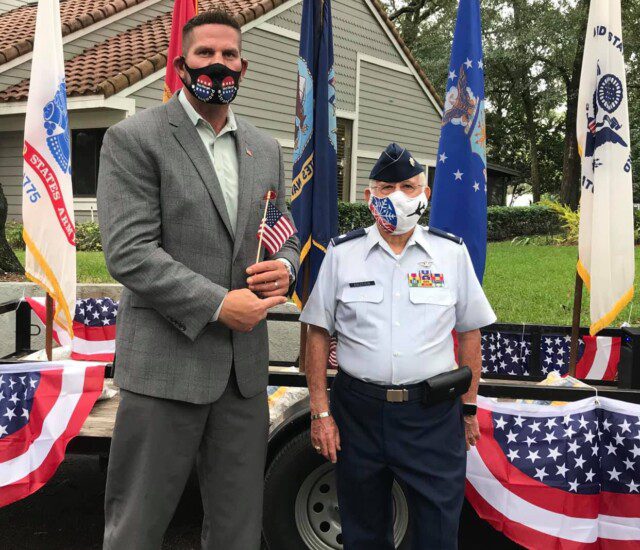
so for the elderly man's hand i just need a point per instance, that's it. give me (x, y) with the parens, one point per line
(325, 438)
(471, 430)
(268, 279)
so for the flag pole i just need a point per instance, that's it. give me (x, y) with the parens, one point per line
(575, 324)
(303, 326)
(49, 328)
(264, 219)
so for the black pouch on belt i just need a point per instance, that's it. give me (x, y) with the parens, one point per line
(446, 386)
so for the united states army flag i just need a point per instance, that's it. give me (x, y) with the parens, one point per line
(606, 262)
(47, 196)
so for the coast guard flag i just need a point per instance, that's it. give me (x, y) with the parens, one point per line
(47, 196)
(559, 477)
(44, 405)
(183, 10)
(459, 202)
(94, 328)
(606, 261)
(314, 204)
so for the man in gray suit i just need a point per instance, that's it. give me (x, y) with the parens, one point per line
(180, 198)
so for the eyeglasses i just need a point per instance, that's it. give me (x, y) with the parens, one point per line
(407, 188)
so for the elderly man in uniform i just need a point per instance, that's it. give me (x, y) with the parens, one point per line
(400, 408)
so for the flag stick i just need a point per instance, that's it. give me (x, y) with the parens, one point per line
(303, 326)
(575, 325)
(264, 219)
(49, 328)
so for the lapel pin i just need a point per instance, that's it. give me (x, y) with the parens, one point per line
(249, 152)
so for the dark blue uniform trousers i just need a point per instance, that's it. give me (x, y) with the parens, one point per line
(422, 447)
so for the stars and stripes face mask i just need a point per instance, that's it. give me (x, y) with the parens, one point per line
(397, 214)
(216, 84)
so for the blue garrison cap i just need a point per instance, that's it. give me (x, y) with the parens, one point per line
(395, 164)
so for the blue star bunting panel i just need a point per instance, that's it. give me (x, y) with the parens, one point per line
(509, 354)
(558, 476)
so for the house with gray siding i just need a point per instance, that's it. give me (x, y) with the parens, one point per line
(115, 62)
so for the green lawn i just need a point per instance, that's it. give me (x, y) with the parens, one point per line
(90, 265)
(525, 284)
(534, 284)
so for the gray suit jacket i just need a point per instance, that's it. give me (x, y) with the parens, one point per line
(167, 238)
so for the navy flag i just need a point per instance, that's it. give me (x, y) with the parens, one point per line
(459, 202)
(314, 204)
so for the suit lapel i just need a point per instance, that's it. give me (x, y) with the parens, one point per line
(187, 135)
(246, 183)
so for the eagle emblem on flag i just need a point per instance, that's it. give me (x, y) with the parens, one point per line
(304, 109)
(56, 124)
(604, 128)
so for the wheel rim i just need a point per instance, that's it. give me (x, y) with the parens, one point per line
(317, 514)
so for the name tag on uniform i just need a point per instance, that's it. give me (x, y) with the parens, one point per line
(362, 283)
(425, 278)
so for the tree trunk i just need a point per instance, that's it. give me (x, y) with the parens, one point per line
(8, 261)
(527, 102)
(532, 134)
(570, 188)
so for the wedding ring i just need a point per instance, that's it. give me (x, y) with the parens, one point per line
(276, 283)
(317, 448)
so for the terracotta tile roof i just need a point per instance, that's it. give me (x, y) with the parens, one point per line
(127, 58)
(88, 72)
(18, 26)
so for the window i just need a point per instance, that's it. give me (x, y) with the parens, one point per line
(431, 175)
(344, 158)
(85, 159)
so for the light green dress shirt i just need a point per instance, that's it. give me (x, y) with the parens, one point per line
(222, 152)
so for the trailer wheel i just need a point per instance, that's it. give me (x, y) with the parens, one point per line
(301, 506)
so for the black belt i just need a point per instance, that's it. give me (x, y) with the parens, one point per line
(437, 389)
(391, 394)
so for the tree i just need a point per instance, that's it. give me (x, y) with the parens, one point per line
(8, 261)
(533, 58)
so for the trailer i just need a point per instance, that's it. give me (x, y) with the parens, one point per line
(301, 507)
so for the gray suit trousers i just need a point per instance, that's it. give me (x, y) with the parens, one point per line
(155, 445)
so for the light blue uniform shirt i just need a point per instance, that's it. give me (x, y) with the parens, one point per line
(390, 332)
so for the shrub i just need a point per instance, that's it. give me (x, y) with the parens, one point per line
(544, 221)
(13, 231)
(503, 223)
(88, 237)
(570, 221)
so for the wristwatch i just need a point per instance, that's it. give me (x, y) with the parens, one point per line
(469, 409)
(320, 415)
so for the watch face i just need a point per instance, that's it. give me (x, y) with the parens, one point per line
(469, 409)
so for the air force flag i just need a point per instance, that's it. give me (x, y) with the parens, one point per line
(606, 260)
(459, 202)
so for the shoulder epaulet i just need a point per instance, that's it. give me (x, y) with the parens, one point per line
(348, 236)
(445, 235)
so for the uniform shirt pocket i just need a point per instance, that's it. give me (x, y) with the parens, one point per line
(358, 311)
(436, 308)
(432, 296)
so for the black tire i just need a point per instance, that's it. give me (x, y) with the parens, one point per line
(286, 473)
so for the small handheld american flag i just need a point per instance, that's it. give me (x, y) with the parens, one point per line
(275, 228)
